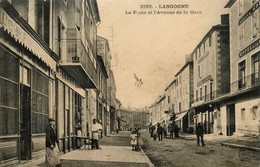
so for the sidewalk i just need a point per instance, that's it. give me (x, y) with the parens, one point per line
(116, 152)
(250, 143)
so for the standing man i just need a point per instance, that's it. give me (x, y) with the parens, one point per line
(199, 133)
(176, 131)
(160, 132)
(95, 138)
(165, 131)
(52, 151)
(171, 129)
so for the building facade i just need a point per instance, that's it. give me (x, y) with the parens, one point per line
(241, 114)
(49, 69)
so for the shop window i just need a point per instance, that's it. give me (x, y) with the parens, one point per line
(40, 102)
(243, 114)
(242, 74)
(8, 121)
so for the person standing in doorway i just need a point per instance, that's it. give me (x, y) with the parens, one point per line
(199, 133)
(52, 151)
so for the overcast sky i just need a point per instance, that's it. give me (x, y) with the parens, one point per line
(152, 46)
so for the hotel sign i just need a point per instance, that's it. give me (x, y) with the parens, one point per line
(249, 48)
(249, 13)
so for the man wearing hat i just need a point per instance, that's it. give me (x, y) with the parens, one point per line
(51, 144)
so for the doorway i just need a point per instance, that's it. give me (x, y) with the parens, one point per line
(25, 117)
(231, 120)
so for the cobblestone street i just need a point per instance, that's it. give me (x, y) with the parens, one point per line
(181, 153)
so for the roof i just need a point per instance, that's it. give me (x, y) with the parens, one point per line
(170, 84)
(213, 28)
(230, 3)
(188, 63)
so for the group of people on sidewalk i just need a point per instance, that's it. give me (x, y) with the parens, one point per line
(52, 156)
(161, 132)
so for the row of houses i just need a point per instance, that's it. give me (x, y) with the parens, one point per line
(219, 84)
(133, 118)
(53, 65)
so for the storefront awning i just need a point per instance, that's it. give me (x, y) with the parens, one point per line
(180, 116)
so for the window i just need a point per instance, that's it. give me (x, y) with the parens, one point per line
(169, 100)
(241, 35)
(242, 74)
(254, 112)
(241, 7)
(9, 73)
(199, 51)
(210, 89)
(197, 95)
(206, 87)
(203, 47)
(179, 106)
(255, 24)
(199, 71)
(200, 93)
(256, 67)
(243, 114)
(196, 54)
(210, 40)
(40, 102)
(25, 76)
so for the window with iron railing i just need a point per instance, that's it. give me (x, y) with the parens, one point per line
(256, 67)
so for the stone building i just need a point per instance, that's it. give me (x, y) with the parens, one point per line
(211, 75)
(240, 114)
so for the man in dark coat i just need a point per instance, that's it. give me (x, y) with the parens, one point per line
(199, 133)
(51, 137)
(171, 129)
(160, 132)
(176, 130)
(51, 141)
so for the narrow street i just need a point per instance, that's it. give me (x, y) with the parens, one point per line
(180, 153)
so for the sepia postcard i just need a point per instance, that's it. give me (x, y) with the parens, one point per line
(158, 83)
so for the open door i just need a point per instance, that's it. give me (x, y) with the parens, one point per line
(231, 120)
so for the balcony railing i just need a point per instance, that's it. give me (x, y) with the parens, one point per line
(246, 82)
(242, 84)
(75, 54)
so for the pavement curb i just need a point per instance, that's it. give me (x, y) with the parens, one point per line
(147, 160)
(240, 146)
(237, 146)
